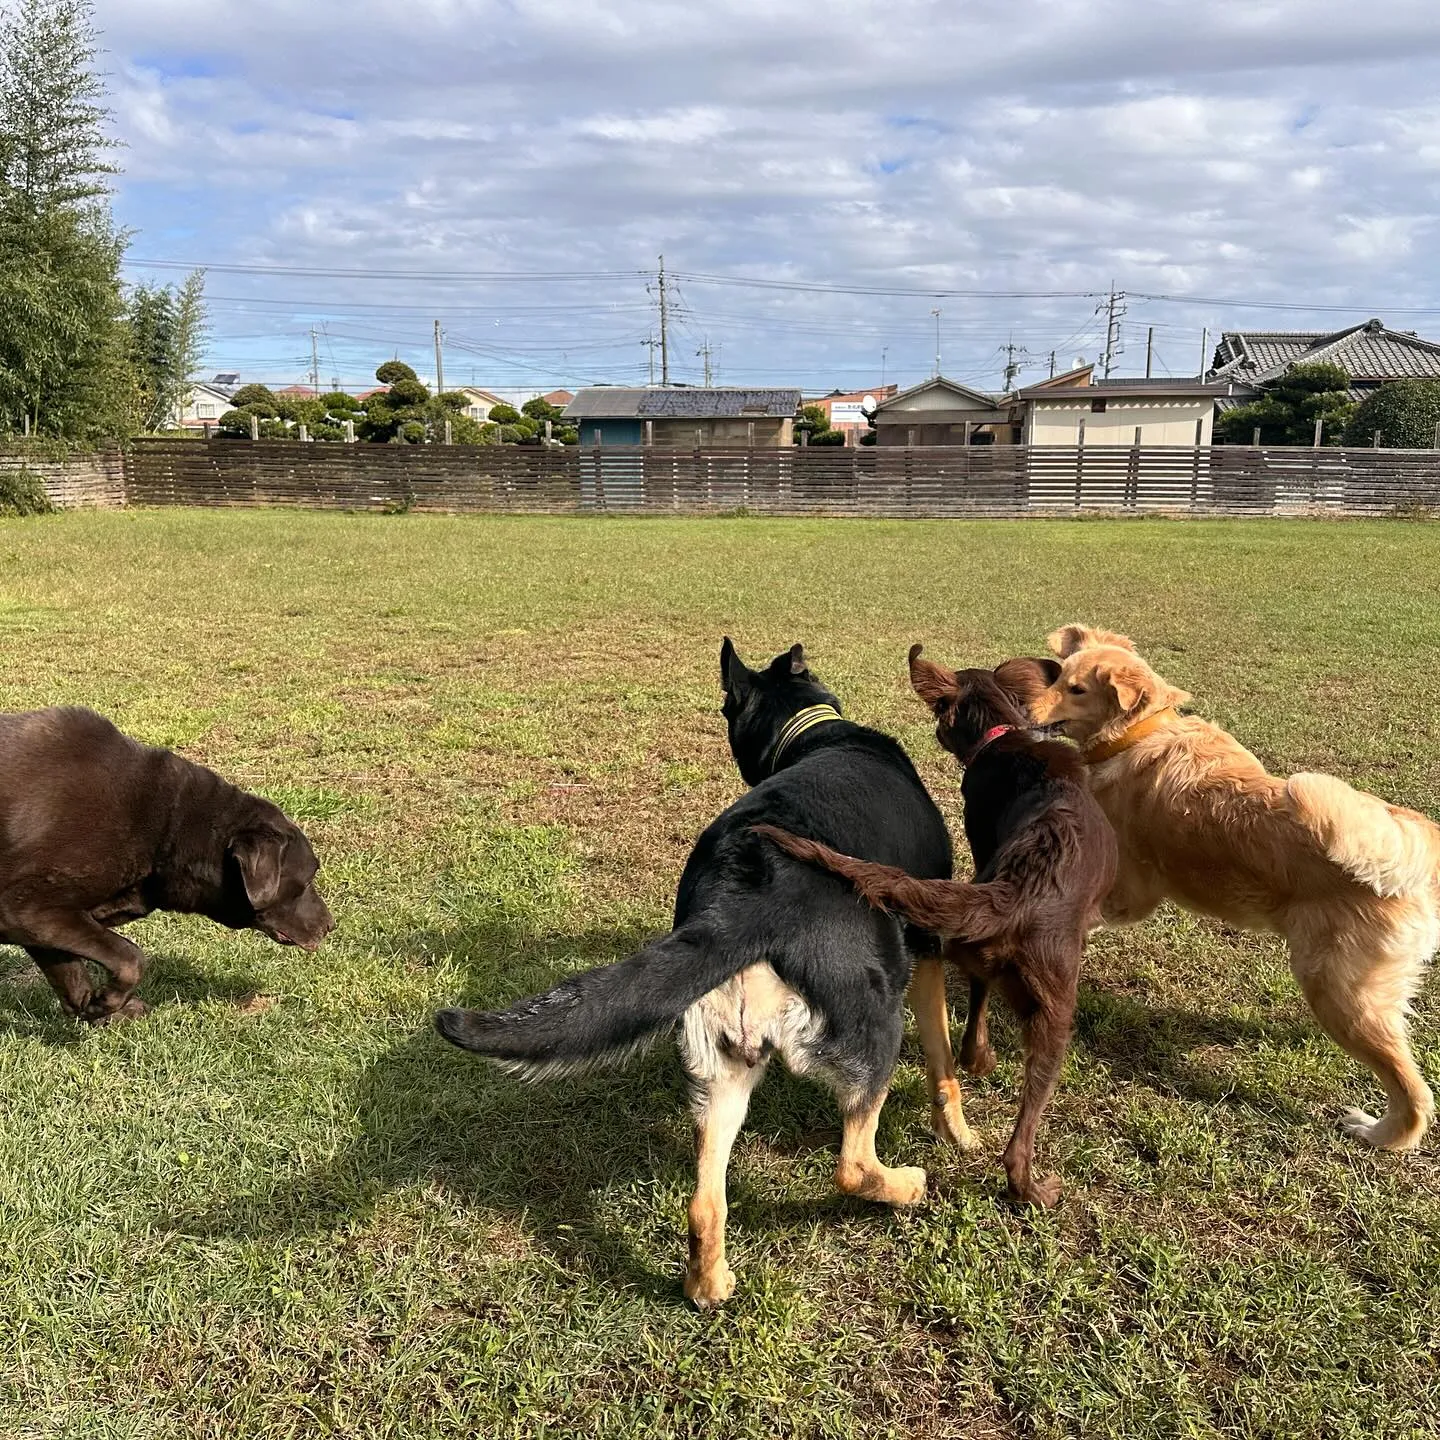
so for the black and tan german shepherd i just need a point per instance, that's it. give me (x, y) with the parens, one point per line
(770, 955)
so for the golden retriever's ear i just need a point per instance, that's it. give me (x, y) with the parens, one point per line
(1069, 638)
(934, 684)
(1131, 689)
(1137, 687)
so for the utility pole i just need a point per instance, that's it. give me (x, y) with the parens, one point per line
(1149, 349)
(439, 363)
(936, 314)
(1114, 311)
(704, 353)
(884, 351)
(314, 362)
(1052, 364)
(650, 342)
(1012, 366)
(1204, 351)
(664, 328)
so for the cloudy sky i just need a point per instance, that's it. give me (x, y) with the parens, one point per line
(820, 178)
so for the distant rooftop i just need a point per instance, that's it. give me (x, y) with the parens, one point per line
(621, 402)
(1369, 353)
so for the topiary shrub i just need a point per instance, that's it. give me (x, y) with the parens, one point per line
(504, 414)
(393, 370)
(1405, 412)
(22, 492)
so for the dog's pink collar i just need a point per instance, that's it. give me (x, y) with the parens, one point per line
(993, 733)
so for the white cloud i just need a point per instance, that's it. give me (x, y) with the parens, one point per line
(1285, 150)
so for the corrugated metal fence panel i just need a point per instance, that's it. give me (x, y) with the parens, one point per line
(999, 480)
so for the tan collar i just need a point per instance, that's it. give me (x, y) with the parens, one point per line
(1133, 736)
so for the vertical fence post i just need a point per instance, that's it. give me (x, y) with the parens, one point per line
(1255, 438)
(1195, 468)
(1132, 472)
(449, 433)
(1319, 430)
(1079, 460)
(1437, 435)
(1375, 441)
(349, 432)
(649, 432)
(254, 427)
(304, 432)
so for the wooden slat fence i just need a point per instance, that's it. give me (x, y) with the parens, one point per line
(998, 480)
(95, 481)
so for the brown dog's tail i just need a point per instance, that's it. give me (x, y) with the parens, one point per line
(951, 909)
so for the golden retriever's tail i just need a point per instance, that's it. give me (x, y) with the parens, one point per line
(1394, 852)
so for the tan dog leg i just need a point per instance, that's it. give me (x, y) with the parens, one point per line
(927, 1001)
(709, 1281)
(860, 1171)
(1371, 1027)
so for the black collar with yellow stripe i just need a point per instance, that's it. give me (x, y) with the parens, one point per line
(797, 725)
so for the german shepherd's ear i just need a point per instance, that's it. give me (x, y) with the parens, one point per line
(1069, 638)
(934, 684)
(735, 674)
(790, 662)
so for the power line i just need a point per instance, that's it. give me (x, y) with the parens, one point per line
(932, 292)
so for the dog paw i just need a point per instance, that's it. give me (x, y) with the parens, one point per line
(904, 1185)
(707, 1289)
(948, 1124)
(1385, 1133)
(980, 1064)
(1044, 1193)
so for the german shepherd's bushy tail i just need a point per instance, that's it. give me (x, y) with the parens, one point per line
(951, 909)
(606, 1015)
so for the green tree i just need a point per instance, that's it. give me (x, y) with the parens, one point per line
(167, 329)
(1287, 411)
(813, 423)
(407, 414)
(64, 357)
(1405, 412)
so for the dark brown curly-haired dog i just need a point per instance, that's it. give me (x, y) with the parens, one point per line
(1045, 858)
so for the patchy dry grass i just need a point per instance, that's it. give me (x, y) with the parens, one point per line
(279, 1206)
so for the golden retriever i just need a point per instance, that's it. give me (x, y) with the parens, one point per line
(1353, 884)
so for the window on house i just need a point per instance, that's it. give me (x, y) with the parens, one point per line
(205, 412)
(1097, 407)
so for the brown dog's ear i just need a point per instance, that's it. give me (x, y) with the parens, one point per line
(1069, 638)
(1026, 677)
(934, 684)
(260, 855)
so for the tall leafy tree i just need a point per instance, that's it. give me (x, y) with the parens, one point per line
(167, 328)
(64, 365)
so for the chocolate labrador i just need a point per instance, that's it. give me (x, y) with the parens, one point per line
(97, 829)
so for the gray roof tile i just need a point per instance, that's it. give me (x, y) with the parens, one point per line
(619, 402)
(1368, 352)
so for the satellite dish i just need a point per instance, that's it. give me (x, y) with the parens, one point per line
(1079, 362)
(867, 405)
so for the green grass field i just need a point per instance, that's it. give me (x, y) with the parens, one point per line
(281, 1206)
